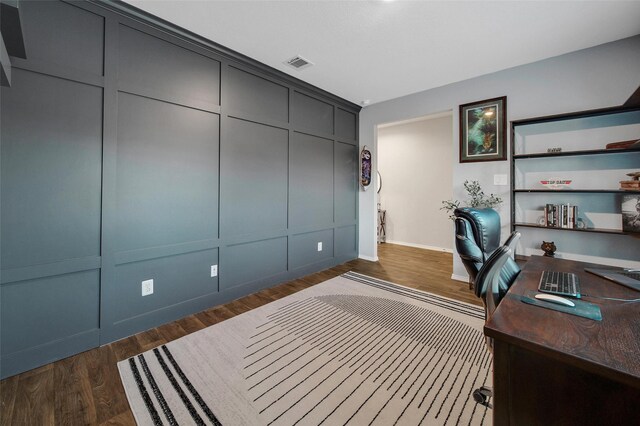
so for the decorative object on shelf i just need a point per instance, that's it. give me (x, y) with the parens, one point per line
(542, 220)
(549, 248)
(477, 199)
(633, 184)
(556, 183)
(580, 224)
(483, 130)
(632, 144)
(631, 213)
(365, 168)
(553, 150)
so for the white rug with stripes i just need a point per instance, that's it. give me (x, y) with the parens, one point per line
(352, 350)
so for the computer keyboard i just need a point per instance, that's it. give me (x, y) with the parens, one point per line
(560, 283)
(634, 275)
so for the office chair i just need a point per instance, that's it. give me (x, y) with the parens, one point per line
(494, 273)
(477, 237)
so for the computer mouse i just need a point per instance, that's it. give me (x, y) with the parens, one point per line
(554, 299)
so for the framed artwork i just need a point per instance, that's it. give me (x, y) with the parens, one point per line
(483, 129)
(631, 213)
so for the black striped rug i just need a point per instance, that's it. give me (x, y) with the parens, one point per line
(352, 350)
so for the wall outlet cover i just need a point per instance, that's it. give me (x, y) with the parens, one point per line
(320, 246)
(214, 271)
(147, 287)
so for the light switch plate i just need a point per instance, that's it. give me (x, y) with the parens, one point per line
(500, 180)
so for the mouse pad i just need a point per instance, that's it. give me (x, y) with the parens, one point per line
(582, 309)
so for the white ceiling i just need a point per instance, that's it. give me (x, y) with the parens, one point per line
(379, 50)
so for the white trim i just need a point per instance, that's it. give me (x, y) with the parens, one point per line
(369, 258)
(463, 278)
(421, 246)
(413, 120)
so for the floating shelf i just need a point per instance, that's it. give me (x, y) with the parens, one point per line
(579, 191)
(574, 153)
(595, 230)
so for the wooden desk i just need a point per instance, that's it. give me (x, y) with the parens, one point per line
(552, 368)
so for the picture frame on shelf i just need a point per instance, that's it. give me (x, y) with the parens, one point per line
(631, 213)
(483, 132)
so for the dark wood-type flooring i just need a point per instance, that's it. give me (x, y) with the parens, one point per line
(86, 388)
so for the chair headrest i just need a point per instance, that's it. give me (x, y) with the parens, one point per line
(485, 225)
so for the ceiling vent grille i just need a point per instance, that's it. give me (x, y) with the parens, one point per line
(298, 62)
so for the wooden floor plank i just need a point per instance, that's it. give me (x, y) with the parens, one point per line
(8, 390)
(34, 404)
(73, 398)
(86, 388)
(103, 377)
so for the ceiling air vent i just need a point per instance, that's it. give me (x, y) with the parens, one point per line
(298, 62)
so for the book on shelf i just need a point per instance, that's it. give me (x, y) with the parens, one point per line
(560, 215)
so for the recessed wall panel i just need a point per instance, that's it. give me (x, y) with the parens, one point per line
(346, 174)
(61, 34)
(37, 312)
(51, 165)
(167, 174)
(149, 62)
(304, 248)
(253, 182)
(346, 241)
(175, 279)
(244, 263)
(256, 96)
(311, 181)
(312, 114)
(345, 125)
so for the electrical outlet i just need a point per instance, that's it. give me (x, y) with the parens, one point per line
(320, 246)
(214, 271)
(147, 287)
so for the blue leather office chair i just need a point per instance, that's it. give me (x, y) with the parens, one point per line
(494, 273)
(477, 237)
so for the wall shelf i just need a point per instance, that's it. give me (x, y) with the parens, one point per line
(552, 228)
(575, 153)
(581, 136)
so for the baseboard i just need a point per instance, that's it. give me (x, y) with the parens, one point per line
(421, 246)
(369, 258)
(462, 278)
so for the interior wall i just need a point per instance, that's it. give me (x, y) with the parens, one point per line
(129, 154)
(416, 180)
(597, 77)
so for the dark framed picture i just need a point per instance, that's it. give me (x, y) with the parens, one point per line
(483, 129)
(631, 213)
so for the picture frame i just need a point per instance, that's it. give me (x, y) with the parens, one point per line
(630, 206)
(483, 130)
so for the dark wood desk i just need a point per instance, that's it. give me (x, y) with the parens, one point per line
(552, 368)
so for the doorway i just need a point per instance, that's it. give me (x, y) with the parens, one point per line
(415, 161)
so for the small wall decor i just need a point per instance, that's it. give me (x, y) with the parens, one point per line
(483, 130)
(365, 168)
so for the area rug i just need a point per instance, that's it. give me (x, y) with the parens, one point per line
(351, 350)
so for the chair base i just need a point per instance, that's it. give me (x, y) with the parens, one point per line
(483, 395)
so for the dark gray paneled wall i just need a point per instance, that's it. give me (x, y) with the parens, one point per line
(131, 154)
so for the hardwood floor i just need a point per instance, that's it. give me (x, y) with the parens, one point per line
(86, 388)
